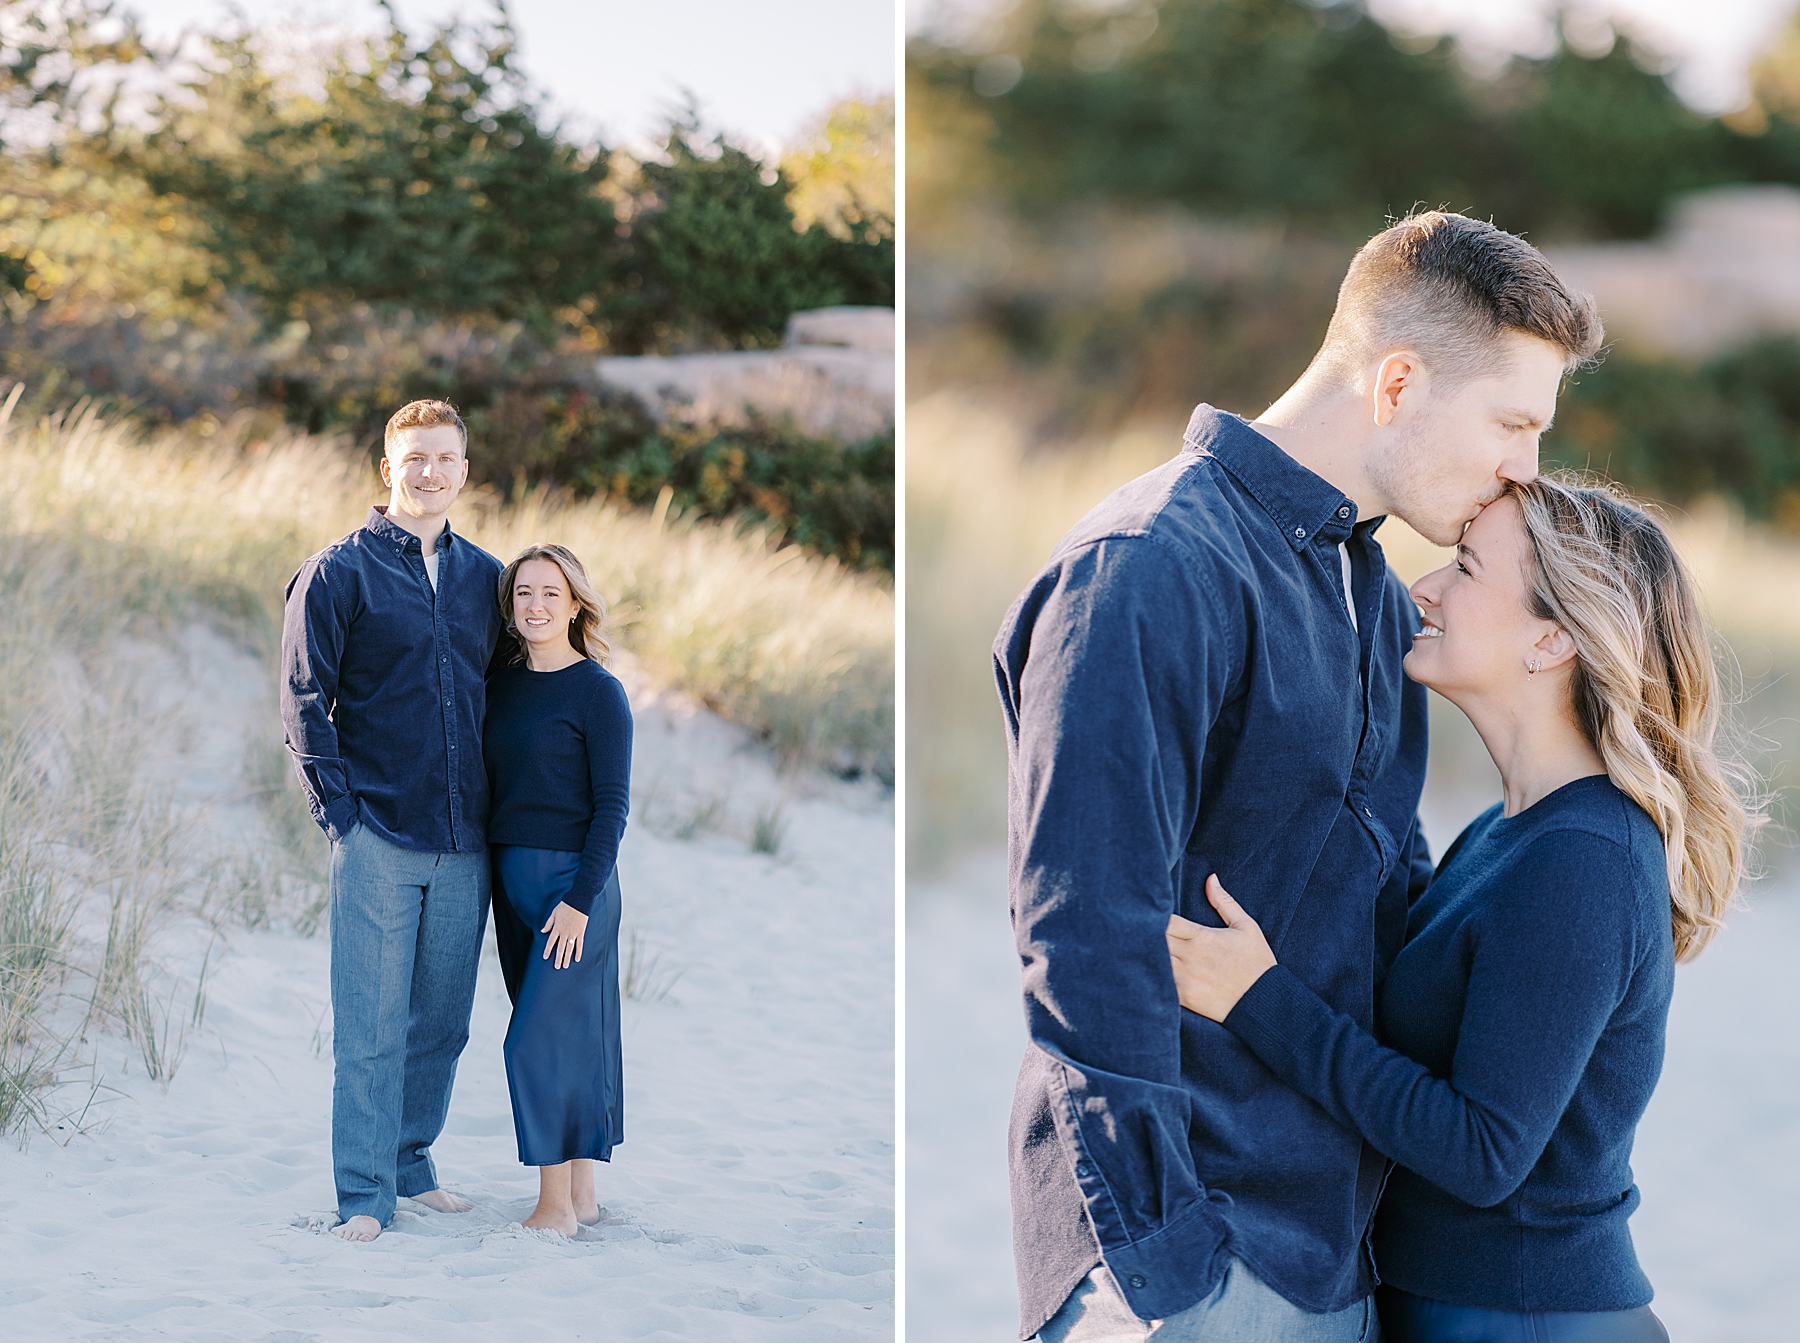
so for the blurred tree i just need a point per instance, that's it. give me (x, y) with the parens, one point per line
(424, 176)
(842, 169)
(1317, 112)
(723, 261)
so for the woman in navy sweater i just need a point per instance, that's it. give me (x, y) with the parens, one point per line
(558, 747)
(1521, 1025)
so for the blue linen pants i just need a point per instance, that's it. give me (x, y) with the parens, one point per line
(1406, 1318)
(1242, 1309)
(563, 1046)
(406, 933)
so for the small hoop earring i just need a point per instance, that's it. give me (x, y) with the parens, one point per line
(1531, 669)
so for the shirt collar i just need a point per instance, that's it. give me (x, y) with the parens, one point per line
(379, 524)
(1303, 506)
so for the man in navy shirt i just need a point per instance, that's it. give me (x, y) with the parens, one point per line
(1206, 678)
(387, 638)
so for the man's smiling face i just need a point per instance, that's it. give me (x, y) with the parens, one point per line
(424, 469)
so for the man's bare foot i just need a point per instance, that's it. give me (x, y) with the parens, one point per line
(357, 1228)
(560, 1220)
(442, 1200)
(588, 1216)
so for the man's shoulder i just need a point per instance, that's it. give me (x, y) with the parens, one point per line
(478, 557)
(345, 554)
(1179, 512)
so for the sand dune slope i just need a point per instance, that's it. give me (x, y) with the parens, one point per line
(753, 1197)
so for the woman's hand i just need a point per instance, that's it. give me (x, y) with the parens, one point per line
(566, 926)
(1214, 967)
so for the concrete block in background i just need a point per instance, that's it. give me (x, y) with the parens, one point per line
(1726, 271)
(834, 377)
(851, 327)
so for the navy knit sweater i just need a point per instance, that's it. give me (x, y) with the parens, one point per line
(1523, 1034)
(558, 747)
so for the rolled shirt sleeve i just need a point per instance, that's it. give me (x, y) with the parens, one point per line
(312, 645)
(1111, 670)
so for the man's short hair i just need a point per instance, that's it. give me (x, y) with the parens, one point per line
(423, 415)
(1445, 287)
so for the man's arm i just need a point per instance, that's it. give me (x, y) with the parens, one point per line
(312, 645)
(1112, 672)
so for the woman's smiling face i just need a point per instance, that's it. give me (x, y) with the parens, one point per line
(543, 606)
(1478, 633)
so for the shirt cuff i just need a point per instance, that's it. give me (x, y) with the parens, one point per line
(1177, 1267)
(340, 818)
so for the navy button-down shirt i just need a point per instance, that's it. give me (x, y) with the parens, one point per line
(1186, 693)
(382, 690)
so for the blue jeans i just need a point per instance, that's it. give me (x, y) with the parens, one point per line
(1242, 1309)
(406, 933)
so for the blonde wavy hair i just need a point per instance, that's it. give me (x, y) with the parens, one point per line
(586, 631)
(1645, 691)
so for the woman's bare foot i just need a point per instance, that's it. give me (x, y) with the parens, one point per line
(357, 1228)
(442, 1200)
(560, 1220)
(588, 1216)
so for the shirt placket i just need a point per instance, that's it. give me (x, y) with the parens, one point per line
(440, 640)
(1369, 744)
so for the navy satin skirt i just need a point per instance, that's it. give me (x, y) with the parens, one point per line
(562, 1048)
(1406, 1318)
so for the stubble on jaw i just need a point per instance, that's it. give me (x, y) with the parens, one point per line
(1410, 476)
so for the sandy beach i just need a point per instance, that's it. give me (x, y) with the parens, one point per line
(753, 1196)
(1714, 1156)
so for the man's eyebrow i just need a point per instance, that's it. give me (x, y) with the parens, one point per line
(1468, 553)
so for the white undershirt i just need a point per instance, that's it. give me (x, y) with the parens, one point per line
(432, 559)
(1349, 596)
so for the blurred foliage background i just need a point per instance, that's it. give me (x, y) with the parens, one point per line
(192, 232)
(1118, 209)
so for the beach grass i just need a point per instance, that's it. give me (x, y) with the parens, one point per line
(985, 509)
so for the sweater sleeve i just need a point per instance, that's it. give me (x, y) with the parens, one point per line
(607, 728)
(1546, 973)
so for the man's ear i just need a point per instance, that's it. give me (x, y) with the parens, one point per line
(387, 471)
(1395, 376)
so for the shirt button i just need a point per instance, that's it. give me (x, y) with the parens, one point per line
(1300, 532)
(452, 746)
(446, 704)
(1081, 1169)
(1343, 512)
(1137, 1279)
(1367, 812)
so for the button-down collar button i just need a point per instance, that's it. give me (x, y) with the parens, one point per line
(1368, 813)
(1081, 1169)
(1138, 1279)
(1300, 532)
(1343, 512)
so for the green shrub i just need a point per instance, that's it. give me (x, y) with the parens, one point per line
(1729, 427)
(423, 176)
